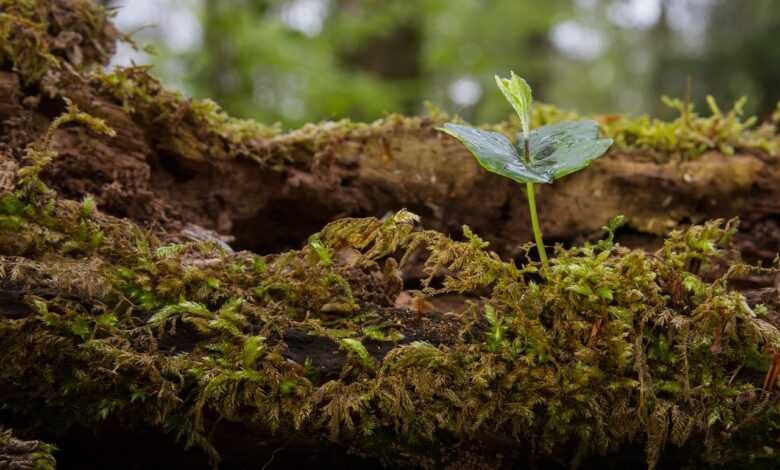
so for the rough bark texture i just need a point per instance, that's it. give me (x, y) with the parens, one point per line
(125, 315)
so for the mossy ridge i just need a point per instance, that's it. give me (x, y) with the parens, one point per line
(144, 98)
(687, 136)
(148, 101)
(615, 346)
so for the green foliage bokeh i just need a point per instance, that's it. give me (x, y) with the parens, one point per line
(371, 57)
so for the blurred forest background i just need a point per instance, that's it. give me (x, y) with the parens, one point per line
(295, 61)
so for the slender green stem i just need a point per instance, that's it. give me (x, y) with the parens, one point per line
(529, 188)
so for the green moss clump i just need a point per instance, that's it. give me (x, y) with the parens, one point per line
(143, 97)
(29, 32)
(687, 136)
(23, 41)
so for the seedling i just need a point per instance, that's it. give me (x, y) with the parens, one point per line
(539, 156)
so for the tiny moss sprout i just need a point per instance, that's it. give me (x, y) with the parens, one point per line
(539, 156)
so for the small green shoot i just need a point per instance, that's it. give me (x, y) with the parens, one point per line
(496, 334)
(375, 333)
(611, 227)
(356, 350)
(539, 156)
(253, 348)
(185, 307)
(259, 265)
(88, 207)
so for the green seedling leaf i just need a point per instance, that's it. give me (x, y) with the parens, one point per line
(541, 156)
(495, 153)
(564, 148)
(517, 91)
(556, 150)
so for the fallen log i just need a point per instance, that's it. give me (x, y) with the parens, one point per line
(176, 160)
(124, 313)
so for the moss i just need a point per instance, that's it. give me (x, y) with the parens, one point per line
(31, 36)
(24, 46)
(234, 130)
(39, 154)
(685, 137)
(144, 98)
(613, 347)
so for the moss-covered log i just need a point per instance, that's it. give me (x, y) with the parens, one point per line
(123, 311)
(177, 161)
(103, 326)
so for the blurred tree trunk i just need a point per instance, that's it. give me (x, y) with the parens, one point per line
(217, 72)
(395, 56)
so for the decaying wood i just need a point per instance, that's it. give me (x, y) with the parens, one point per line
(335, 170)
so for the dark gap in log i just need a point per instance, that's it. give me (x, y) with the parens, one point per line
(281, 226)
(176, 167)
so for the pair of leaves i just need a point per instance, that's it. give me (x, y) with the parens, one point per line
(555, 150)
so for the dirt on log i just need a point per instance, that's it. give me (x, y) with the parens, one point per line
(219, 292)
